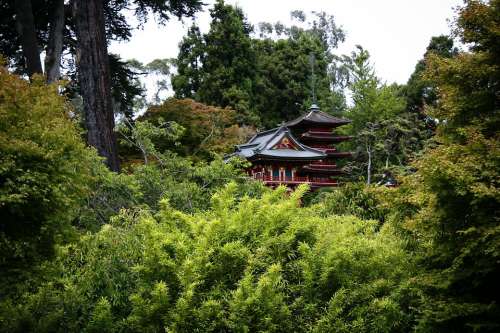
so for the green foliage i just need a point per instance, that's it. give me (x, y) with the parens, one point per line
(245, 265)
(181, 246)
(188, 186)
(187, 82)
(284, 83)
(141, 134)
(266, 80)
(219, 68)
(44, 170)
(354, 199)
(117, 24)
(387, 137)
(418, 91)
(450, 206)
(126, 88)
(208, 130)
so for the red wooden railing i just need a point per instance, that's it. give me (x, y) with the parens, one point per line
(324, 136)
(295, 180)
(327, 150)
(322, 166)
(318, 133)
(322, 147)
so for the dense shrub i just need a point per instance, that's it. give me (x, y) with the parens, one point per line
(208, 129)
(44, 170)
(247, 265)
(365, 202)
(188, 186)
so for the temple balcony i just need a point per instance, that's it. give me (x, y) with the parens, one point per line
(323, 164)
(338, 154)
(325, 136)
(296, 180)
(325, 149)
(322, 169)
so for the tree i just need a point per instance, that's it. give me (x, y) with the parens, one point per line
(55, 42)
(227, 71)
(45, 170)
(419, 91)
(92, 57)
(94, 79)
(245, 264)
(267, 79)
(186, 83)
(208, 130)
(284, 85)
(380, 127)
(141, 135)
(126, 88)
(26, 29)
(452, 203)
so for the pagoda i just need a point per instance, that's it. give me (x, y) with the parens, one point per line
(300, 151)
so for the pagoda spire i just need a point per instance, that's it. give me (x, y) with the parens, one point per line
(312, 60)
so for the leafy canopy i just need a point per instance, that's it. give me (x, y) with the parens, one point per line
(45, 169)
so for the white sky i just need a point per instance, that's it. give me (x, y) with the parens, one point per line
(395, 32)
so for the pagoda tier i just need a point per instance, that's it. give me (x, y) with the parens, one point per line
(292, 182)
(312, 136)
(278, 157)
(323, 171)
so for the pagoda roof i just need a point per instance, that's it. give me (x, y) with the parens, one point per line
(316, 116)
(271, 145)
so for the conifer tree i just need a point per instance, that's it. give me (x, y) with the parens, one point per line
(219, 68)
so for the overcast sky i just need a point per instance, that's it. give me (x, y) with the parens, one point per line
(395, 32)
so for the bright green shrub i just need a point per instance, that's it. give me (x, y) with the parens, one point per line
(245, 265)
(188, 186)
(44, 170)
(355, 199)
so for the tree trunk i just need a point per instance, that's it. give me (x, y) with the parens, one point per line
(369, 167)
(55, 43)
(94, 78)
(25, 25)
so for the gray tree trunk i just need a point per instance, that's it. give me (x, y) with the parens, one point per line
(25, 25)
(94, 78)
(55, 43)
(369, 167)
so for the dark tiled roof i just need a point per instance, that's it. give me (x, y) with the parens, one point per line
(319, 117)
(261, 146)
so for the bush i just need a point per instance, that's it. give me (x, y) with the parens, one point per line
(188, 186)
(208, 129)
(358, 199)
(44, 170)
(245, 265)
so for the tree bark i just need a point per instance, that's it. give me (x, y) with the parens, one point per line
(25, 25)
(369, 167)
(94, 78)
(55, 43)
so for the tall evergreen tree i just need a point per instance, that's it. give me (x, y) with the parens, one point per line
(227, 59)
(266, 79)
(454, 198)
(420, 91)
(386, 136)
(186, 83)
(283, 89)
(94, 78)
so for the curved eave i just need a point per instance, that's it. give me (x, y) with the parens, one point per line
(308, 122)
(261, 157)
(339, 154)
(326, 137)
(323, 171)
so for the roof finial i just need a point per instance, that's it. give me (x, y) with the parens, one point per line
(312, 60)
